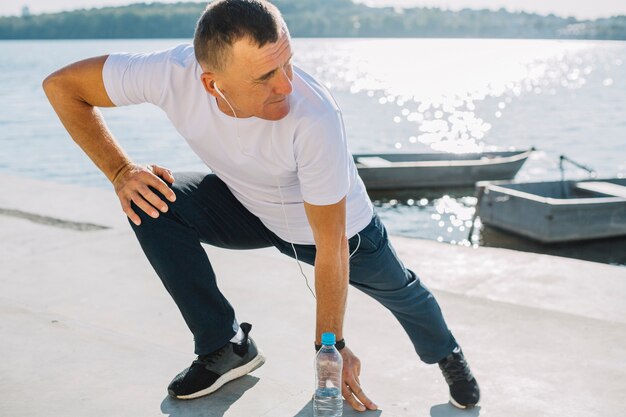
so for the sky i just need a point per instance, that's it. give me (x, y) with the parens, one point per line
(581, 9)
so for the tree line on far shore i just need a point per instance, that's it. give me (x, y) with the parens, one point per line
(320, 18)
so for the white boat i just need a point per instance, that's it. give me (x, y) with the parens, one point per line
(555, 211)
(385, 171)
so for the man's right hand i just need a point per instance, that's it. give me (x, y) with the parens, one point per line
(74, 92)
(132, 184)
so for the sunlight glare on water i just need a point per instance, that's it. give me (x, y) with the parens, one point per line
(436, 83)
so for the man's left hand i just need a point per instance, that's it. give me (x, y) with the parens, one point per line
(351, 390)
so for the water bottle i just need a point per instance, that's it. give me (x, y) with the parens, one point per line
(327, 401)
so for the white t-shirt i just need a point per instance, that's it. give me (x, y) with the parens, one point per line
(303, 156)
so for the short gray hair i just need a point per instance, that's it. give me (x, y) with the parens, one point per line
(224, 22)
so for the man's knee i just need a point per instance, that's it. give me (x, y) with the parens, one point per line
(145, 217)
(384, 280)
(187, 183)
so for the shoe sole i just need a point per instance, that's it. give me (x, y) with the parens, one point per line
(231, 375)
(461, 406)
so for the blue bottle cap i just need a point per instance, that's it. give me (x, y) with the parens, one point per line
(328, 338)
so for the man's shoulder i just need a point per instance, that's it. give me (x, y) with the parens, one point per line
(179, 69)
(181, 55)
(173, 62)
(313, 100)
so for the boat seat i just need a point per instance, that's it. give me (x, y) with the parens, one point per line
(373, 161)
(603, 187)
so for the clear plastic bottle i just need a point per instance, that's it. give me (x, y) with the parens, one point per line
(327, 401)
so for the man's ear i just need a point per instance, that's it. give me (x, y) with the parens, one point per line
(208, 82)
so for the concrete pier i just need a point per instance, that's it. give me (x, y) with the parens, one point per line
(87, 329)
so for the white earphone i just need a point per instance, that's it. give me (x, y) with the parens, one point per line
(224, 97)
(218, 90)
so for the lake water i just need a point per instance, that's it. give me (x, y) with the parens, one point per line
(563, 97)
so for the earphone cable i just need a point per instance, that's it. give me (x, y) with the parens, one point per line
(280, 191)
(295, 253)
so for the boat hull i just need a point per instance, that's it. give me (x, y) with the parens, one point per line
(464, 170)
(551, 212)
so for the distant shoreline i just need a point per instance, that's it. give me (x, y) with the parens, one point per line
(327, 19)
(189, 39)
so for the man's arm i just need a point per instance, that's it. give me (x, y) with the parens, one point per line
(328, 224)
(74, 92)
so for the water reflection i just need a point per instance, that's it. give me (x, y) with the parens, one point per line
(429, 213)
(609, 251)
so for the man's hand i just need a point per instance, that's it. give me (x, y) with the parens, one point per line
(328, 224)
(132, 185)
(351, 390)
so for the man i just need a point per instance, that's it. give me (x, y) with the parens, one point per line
(282, 176)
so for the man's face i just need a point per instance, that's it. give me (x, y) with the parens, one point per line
(256, 81)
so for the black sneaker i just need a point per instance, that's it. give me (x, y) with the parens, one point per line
(209, 372)
(464, 391)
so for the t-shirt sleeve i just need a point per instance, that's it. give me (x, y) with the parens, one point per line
(136, 78)
(322, 159)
